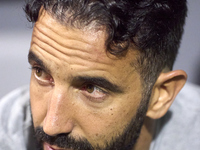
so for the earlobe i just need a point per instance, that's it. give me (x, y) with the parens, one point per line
(164, 92)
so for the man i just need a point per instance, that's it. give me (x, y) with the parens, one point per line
(101, 73)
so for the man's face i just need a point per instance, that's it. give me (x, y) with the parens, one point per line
(77, 89)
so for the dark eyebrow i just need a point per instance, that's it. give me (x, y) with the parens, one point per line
(99, 81)
(32, 57)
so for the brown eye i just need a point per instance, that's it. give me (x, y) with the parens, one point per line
(42, 77)
(38, 72)
(90, 88)
(93, 92)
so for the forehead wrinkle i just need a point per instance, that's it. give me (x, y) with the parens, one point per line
(77, 56)
(69, 62)
(73, 62)
(46, 37)
(85, 52)
(57, 38)
(52, 26)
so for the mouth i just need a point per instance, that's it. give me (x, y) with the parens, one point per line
(46, 146)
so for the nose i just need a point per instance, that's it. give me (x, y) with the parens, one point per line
(58, 119)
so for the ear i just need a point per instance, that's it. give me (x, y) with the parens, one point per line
(164, 92)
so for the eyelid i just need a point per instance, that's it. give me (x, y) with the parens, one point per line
(40, 80)
(35, 65)
(92, 98)
(106, 91)
(39, 67)
(101, 89)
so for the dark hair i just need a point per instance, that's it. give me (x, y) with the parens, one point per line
(155, 27)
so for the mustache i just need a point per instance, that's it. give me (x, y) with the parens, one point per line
(62, 140)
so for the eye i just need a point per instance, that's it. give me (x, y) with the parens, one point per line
(42, 77)
(94, 93)
(90, 88)
(38, 72)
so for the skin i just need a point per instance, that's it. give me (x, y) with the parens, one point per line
(80, 89)
(60, 102)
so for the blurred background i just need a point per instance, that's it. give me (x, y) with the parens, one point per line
(15, 36)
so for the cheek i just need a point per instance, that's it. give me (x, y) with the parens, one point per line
(109, 122)
(38, 103)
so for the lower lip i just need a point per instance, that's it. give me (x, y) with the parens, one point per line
(47, 147)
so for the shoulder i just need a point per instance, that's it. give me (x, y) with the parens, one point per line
(15, 101)
(180, 127)
(14, 118)
(16, 95)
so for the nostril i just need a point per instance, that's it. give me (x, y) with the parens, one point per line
(58, 127)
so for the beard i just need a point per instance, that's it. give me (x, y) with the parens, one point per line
(126, 140)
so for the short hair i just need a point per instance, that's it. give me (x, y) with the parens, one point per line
(154, 27)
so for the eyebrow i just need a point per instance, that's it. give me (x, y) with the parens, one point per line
(99, 81)
(32, 57)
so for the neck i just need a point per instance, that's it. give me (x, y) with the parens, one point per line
(146, 135)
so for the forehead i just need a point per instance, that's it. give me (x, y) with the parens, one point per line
(64, 38)
(78, 51)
